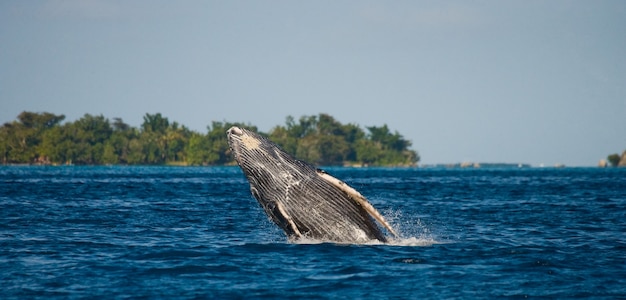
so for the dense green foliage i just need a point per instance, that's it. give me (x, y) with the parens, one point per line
(324, 141)
(41, 138)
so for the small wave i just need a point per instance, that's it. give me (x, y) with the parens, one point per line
(413, 242)
(309, 241)
(334, 277)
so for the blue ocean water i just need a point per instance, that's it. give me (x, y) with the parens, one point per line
(184, 232)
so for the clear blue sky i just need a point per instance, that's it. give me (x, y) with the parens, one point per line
(483, 81)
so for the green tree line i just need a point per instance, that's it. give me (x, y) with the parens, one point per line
(43, 138)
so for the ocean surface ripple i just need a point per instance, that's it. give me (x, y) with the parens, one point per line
(186, 232)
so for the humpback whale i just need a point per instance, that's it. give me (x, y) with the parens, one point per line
(305, 202)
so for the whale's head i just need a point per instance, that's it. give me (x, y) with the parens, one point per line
(270, 171)
(263, 162)
(245, 144)
(252, 150)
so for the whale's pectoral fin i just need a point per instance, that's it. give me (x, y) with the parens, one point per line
(287, 220)
(277, 213)
(358, 198)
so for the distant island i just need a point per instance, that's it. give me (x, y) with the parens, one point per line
(614, 160)
(476, 165)
(42, 139)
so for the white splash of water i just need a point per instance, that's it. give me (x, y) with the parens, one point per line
(412, 232)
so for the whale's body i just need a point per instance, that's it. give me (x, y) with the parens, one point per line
(302, 200)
